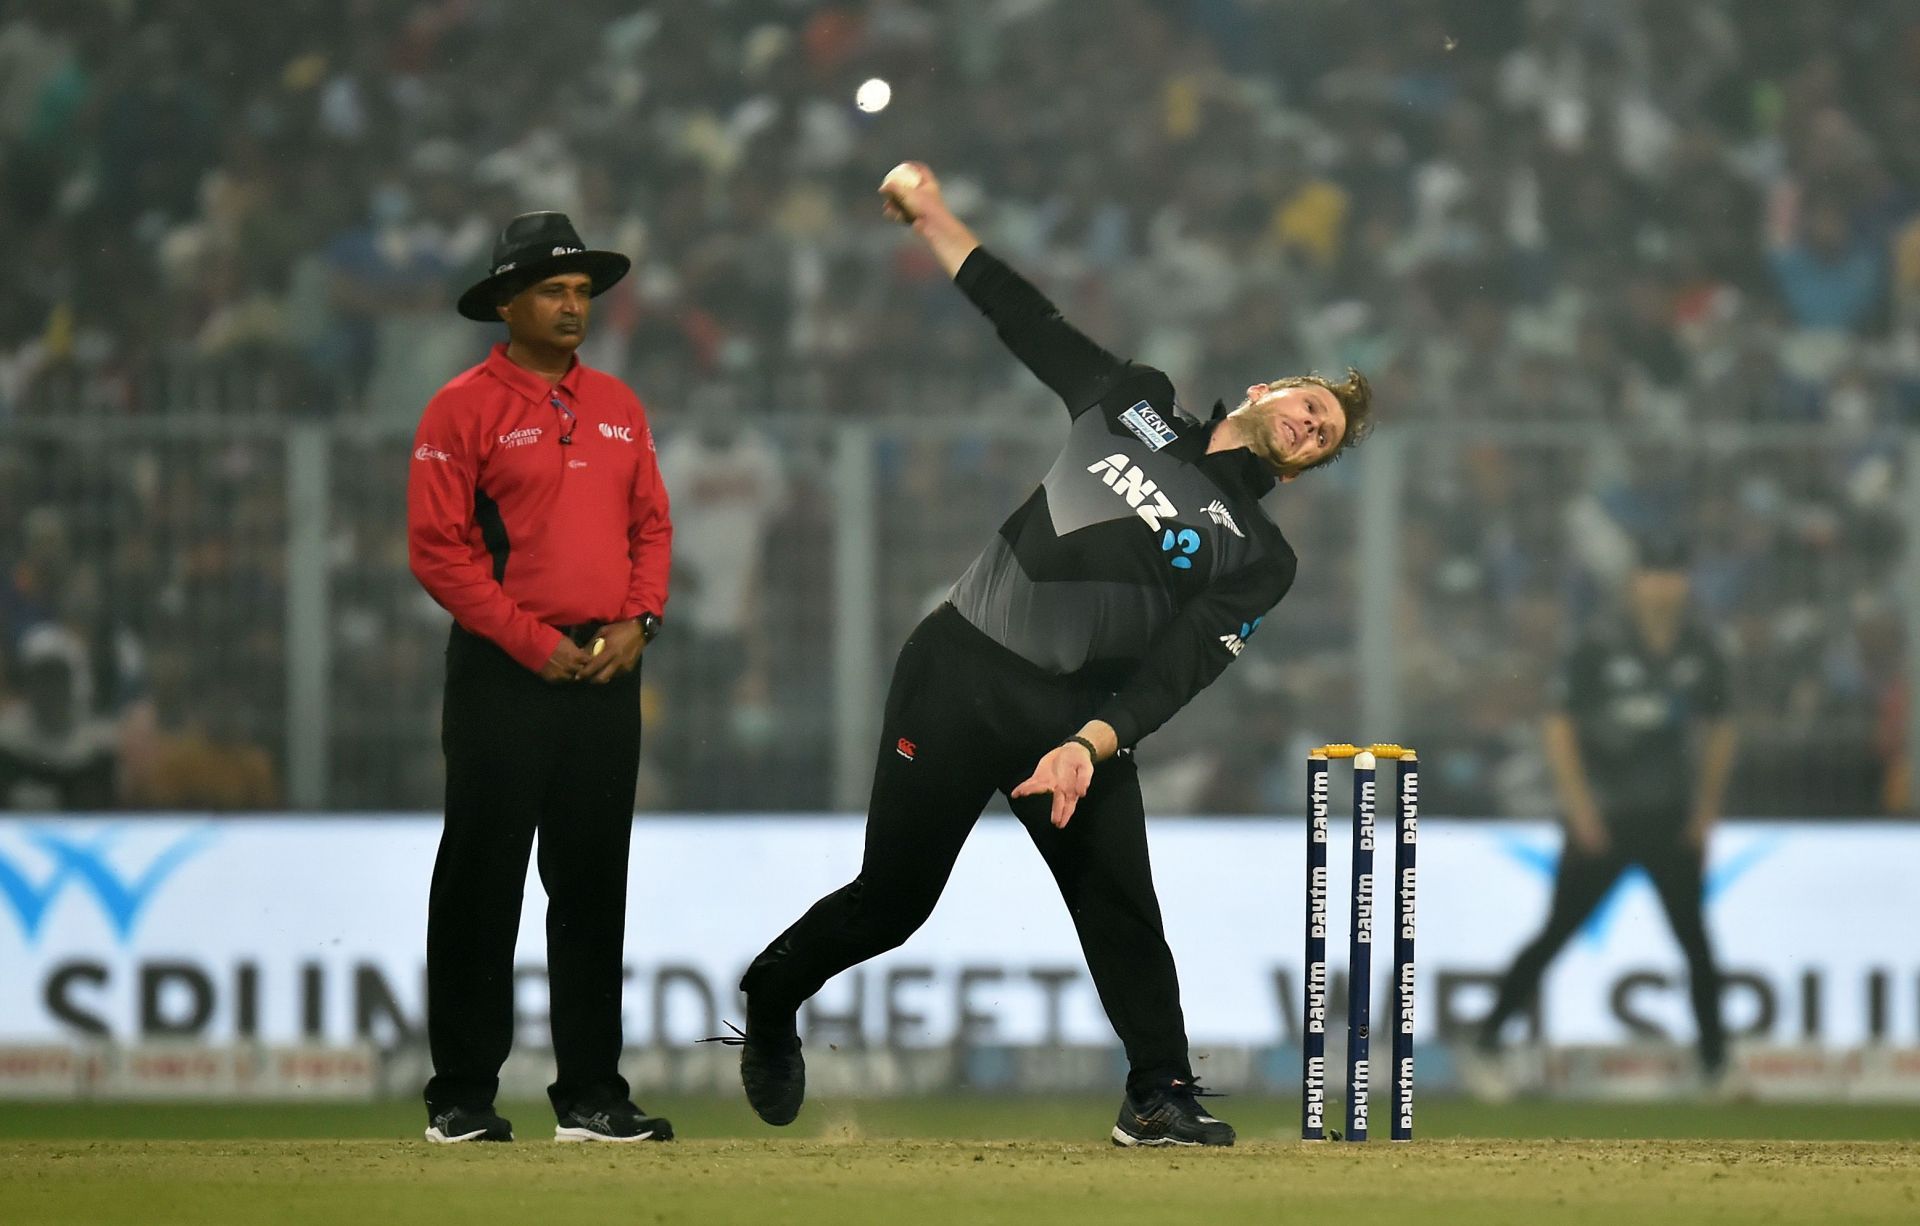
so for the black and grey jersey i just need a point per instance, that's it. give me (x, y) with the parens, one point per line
(1141, 558)
(1635, 711)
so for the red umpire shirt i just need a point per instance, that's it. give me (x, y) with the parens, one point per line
(532, 506)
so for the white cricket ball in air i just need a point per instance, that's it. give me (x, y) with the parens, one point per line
(873, 95)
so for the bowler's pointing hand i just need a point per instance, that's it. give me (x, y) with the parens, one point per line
(1067, 772)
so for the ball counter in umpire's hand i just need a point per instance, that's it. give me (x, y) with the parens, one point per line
(1120, 588)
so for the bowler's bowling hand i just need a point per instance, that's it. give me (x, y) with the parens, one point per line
(911, 193)
(565, 663)
(616, 651)
(1067, 772)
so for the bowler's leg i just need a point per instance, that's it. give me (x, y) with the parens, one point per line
(1100, 862)
(929, 785)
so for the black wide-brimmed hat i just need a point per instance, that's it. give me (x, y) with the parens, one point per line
(535, 246)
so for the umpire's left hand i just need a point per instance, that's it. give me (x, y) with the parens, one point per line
(624, 643)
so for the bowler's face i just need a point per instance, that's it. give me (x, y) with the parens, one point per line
(1300, 426)
(551, 312)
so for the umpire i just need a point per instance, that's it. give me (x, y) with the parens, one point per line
(536, 516)
(1123, 586)
(1641, 748)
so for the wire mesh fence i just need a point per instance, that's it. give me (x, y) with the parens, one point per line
(211, 614)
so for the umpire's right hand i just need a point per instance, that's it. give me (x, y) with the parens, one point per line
(565, 663)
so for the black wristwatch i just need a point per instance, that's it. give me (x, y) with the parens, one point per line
(649, 626)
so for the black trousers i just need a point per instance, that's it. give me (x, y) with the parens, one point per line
(1582, 881)
(526, 756)
(965, 718)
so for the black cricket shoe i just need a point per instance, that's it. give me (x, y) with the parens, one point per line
(617, 1121)
(456, 1124)
(1170, 1115)
(772, 1070)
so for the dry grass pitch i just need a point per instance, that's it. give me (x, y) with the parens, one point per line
(888, 1162)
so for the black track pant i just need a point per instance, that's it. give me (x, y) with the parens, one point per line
(1579, 886)
(523, 756)
(965, 718)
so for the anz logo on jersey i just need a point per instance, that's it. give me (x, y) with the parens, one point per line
(1126, 479)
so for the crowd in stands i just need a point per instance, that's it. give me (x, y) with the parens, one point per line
(1634, 220)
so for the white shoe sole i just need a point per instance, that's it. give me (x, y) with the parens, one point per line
(441, 1138)
(587, 1134)
(1122, 1137)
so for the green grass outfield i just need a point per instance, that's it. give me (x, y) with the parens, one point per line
(933, 1162)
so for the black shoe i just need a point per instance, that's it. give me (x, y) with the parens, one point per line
(772, 1070)
(457, 1124)
(620, 1121)
(1170, 1115)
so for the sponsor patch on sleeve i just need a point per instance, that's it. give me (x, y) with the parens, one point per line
(1235, 643)
(1148, 426)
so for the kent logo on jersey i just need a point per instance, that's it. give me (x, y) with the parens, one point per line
(1148, 426)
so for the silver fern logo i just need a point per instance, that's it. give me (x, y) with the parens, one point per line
(1218, 513)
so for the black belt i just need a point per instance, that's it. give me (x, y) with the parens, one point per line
(582, 634)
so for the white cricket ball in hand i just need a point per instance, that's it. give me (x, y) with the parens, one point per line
(902, 178)
(873, 95)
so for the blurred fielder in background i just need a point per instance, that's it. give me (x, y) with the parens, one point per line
(1121, 588)
(1641, 748)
